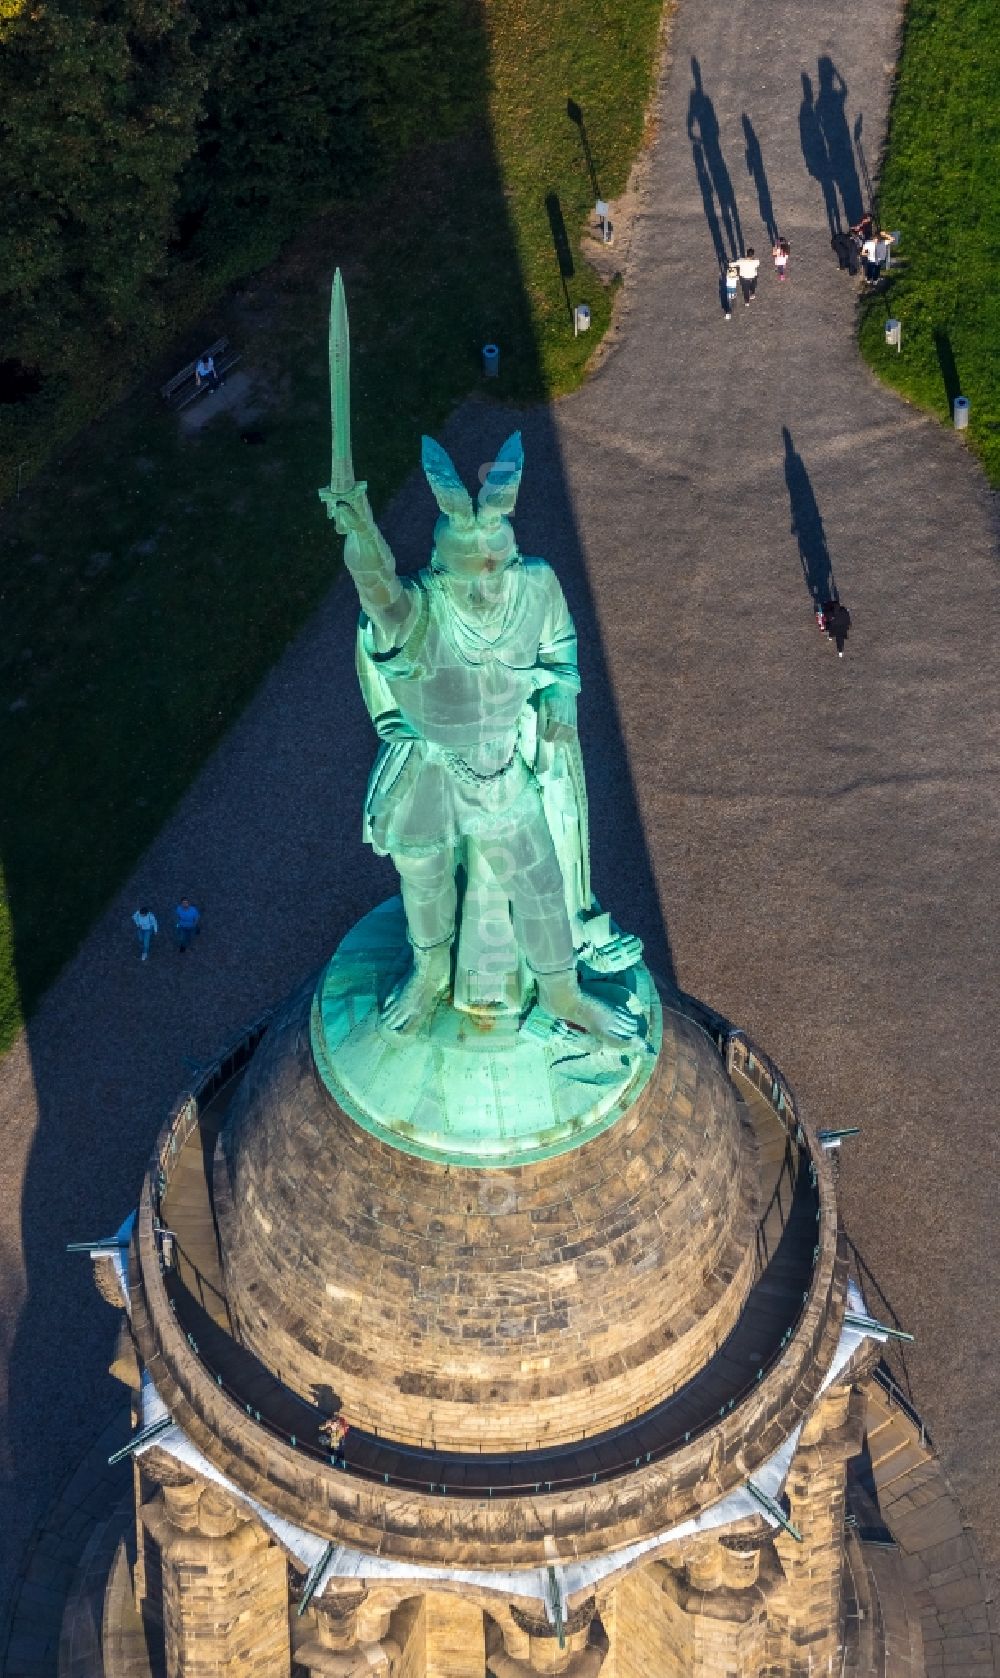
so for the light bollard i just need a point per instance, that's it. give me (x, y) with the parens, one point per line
(960, 413)
(602, 211)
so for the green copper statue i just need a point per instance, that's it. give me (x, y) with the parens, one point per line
(469, 673)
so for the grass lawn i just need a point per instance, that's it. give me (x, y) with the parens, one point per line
(939, 188)
(149, 581)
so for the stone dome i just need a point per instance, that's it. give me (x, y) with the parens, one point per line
(494, 1308)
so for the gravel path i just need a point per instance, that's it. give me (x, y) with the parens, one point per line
(803, 842)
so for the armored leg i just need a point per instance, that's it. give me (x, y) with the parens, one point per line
(430, 897)
(524, 863)
(430, 901)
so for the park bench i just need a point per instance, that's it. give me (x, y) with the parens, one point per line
(183, 387)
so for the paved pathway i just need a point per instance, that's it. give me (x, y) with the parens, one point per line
(805, 843)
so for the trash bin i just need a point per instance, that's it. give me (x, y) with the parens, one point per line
(581, 319)
(961, 413)
(491, 360)
(893, 334)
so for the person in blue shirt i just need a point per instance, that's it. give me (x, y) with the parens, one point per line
(205, 371)
(187, 921)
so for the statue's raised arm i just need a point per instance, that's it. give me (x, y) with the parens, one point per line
(369, 559)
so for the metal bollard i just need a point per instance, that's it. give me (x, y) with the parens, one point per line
(491, 360)
(960, 413)
(602, 211)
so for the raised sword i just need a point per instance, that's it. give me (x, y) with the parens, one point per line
(342, 479)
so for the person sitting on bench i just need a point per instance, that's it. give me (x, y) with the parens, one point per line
(204, 371)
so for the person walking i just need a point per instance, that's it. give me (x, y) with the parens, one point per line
(780, 252)
(187, 921)
(837, 619)
(730, 282)
(749, 268)
(147, 927)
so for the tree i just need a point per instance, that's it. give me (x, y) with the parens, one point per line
(309, 101)
(98, 110)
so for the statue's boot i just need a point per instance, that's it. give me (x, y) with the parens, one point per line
(413, 999)
(602, 947)
(560, 994)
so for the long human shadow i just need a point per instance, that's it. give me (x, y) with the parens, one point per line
(868, 187)
(272, 832)
(703, 132)
(948, 365)
(707, 191)
(828, 145)
(831, 113)
(758, 174)
(575, 114)
(807, 526)
(814, 150)
(561, 246)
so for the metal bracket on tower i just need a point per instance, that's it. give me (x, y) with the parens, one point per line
(104, 1244)
(314, 1578)
(140, 1440)
(870, 1325)
(774, 1510)
(556, 1604)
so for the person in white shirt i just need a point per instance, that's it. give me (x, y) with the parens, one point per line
(749, 267)
(204, 371)
(875, 255)
(146, 926)
(730, 282)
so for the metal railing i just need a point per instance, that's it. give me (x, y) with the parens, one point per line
(895, 1394)
(187, 1115)
(733, 1044)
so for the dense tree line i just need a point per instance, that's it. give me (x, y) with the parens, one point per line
(144, 139)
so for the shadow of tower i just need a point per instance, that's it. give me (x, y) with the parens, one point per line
(271, 831)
